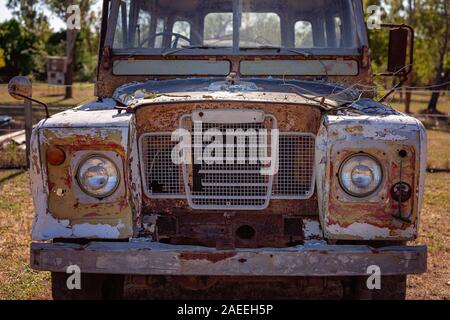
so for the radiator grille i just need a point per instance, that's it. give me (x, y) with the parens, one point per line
(238, 186)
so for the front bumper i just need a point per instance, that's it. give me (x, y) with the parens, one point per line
(150, 258)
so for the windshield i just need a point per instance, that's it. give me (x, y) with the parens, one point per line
(158, 26)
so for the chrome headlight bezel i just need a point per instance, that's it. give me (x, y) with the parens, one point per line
(109, 192)
(373, 164)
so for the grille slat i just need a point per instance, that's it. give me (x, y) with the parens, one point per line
(229, 171)
(233, 184)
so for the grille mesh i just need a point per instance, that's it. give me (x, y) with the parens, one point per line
(162, 176)
(229, 186)
(295, 176)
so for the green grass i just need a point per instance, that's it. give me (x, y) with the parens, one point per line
(12, 156)
(17, 279)
(437, 193)
(435, 234)
(438, 149)
(419, 102)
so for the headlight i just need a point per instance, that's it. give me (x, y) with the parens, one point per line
(98, 177)
(360, 175)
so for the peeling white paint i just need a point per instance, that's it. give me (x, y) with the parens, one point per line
(366, 231)
(104, 104)
(373, 120)
(311, 229)
(105, 231)
(408, 233)
(363, 230)
(374, 132)
(423, 167)
(38, 185)
(79, 118)
(136, 176)
(322, 174)
(312, 243)
(47, 227)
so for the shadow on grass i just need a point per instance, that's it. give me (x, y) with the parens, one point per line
(13, 175)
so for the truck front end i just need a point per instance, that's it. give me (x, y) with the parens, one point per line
(233, 142)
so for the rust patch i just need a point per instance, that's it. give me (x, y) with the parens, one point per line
(67, 180)
(51, 185)
(355, 129)
(213, 257)
(307, 207)
(123, 203)
(165, 117)
(91, 214)
(35, 163)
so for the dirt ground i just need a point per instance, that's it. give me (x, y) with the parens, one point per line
(435, 233)
(19, 281)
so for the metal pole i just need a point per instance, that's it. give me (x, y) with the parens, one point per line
(28, 114)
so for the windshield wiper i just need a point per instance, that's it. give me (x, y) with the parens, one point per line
(279, 49)
(204, 47)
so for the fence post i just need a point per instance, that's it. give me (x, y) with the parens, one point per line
(28, 115)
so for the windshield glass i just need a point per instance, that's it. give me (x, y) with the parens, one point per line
(157, 26)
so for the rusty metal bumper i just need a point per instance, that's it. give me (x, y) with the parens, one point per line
(150, 258)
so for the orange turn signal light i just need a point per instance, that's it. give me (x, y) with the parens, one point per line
(56, 156)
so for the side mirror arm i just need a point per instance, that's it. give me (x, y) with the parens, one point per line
(47, 114)
(21, 88)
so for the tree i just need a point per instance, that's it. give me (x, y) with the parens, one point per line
(23, 51)
(378, 39)
(441, 25)
(26, 11)
(30, 14)
(2, 59)
(60, 8)
(430, 20)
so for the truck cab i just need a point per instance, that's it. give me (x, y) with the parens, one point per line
(235, 151)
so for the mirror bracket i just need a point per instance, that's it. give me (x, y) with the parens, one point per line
(47, 114)
(20, 88)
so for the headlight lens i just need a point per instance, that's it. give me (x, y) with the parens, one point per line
(360, 175)
(98, 177)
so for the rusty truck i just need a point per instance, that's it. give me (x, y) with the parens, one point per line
(236, 150)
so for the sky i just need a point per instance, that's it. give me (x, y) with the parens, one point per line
(55, 22)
